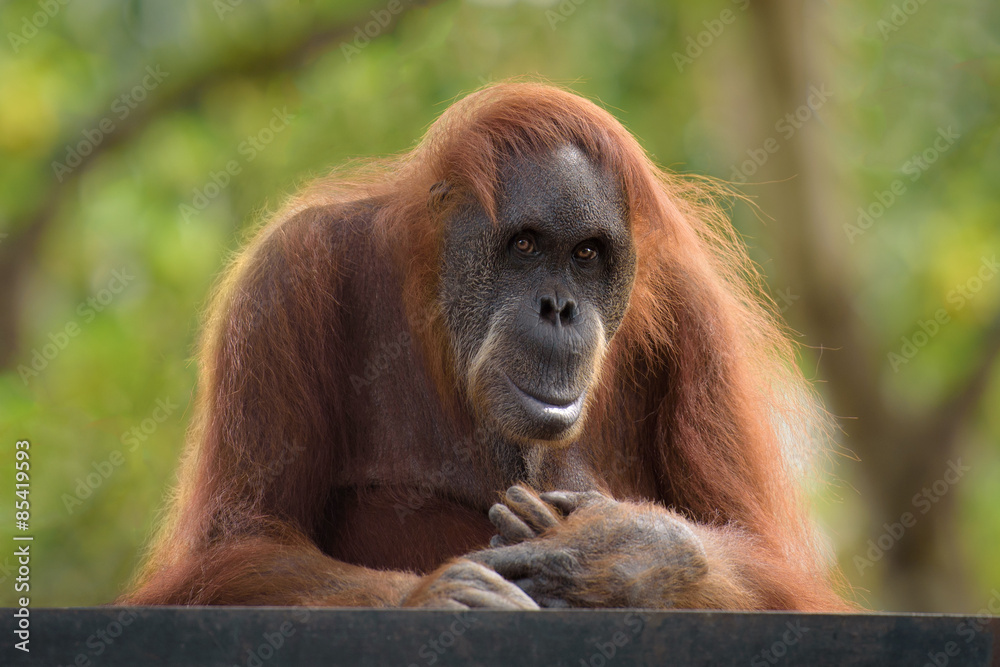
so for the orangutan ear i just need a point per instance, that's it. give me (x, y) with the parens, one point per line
(438, 195)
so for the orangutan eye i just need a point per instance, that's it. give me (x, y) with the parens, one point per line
(586, 252)
(524, 244)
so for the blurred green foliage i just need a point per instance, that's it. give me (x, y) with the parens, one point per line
(219, 82)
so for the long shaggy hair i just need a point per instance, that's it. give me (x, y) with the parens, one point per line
(700, 369)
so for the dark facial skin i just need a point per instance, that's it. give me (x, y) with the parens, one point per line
(532, 301)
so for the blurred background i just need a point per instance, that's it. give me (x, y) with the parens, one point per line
(141, 140)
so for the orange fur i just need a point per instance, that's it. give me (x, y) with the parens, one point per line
(696, 390)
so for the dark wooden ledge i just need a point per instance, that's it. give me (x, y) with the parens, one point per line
(267, 636)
